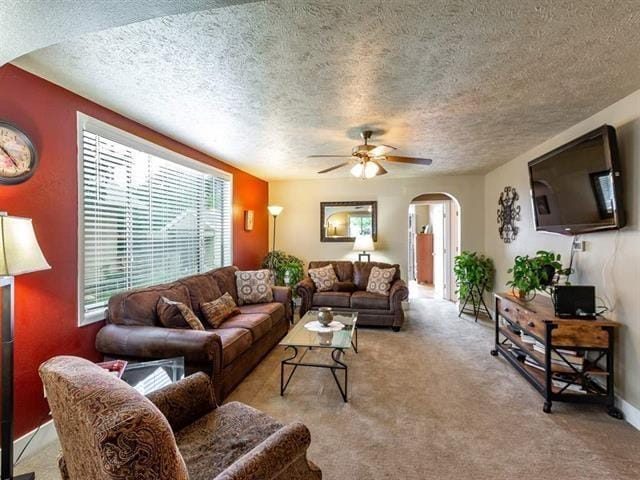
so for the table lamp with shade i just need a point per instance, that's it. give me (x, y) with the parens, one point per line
(19, 254)
(364, 244)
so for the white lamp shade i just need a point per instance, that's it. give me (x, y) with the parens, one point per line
(364, 243)
(275, 210)
(19, 249)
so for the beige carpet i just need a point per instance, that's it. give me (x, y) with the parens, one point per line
(431, 403)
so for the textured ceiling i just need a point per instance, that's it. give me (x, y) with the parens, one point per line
(27, 25)
(469, 84)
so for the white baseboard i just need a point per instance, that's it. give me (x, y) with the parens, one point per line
(631, 413)
(46, 436)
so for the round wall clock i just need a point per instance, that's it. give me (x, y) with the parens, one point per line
(508, 214)
(18, 157)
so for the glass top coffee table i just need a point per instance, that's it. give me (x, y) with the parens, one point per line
(300, 340)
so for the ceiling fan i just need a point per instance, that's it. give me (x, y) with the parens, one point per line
(365, 159)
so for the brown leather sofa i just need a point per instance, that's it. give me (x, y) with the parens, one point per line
(227, 354)
(373, 309)
(109, 431)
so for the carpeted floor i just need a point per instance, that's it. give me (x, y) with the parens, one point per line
(430, 402)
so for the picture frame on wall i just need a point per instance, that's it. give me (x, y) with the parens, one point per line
(248, 220)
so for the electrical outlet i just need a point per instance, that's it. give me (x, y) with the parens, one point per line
(579, 245)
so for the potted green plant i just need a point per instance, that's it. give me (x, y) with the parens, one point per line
(288, 270)
(474, 275)
(533, 274)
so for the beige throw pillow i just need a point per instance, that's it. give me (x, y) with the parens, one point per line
(380, 280)
(324, 278)
(174, 314)
(218, 310)
(254, 286)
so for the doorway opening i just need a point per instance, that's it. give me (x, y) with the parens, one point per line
(434, 241)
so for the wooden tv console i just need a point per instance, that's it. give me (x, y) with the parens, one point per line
(593, 338)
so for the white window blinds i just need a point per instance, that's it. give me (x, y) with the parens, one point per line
(146, 220)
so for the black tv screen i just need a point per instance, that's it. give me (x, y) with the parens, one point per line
(577, 187)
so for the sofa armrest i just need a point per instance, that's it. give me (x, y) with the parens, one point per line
(283, 295)
(196, 346)
(185, 401)
(305, 290)
(271, 457)
(398, 293)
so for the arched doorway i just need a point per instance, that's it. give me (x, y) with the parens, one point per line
(434, 241)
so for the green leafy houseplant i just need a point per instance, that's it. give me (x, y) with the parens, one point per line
(534, 274)
(287, 268)
(472, 271)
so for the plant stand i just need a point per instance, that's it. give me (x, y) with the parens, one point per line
(477, 301)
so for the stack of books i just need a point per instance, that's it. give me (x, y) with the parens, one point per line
(563, 357)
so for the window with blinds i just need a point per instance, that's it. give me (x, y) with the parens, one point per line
(146, 219)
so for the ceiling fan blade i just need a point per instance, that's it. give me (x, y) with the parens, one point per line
(335, 167)
(381, 170)
(381, 150)
(329, 156)
(409, 160)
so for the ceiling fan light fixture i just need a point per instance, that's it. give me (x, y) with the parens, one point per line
(357, 170)
(371, 169)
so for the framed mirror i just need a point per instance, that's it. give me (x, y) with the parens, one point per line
(343, 221)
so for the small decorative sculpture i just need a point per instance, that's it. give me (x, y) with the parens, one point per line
(508, 214)
(325, 317)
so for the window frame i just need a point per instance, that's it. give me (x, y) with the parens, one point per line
(97, 127)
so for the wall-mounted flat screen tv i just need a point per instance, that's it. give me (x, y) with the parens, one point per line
(577, 188)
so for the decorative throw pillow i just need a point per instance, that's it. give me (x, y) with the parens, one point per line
(380, 280)
(344, 287)
(324, 278)
(254, 286)
(218, 310)
(174, 314)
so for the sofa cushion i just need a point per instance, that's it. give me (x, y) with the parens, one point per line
(235, 341)
(225, 278)
(343, 268)
(331, 299)
(202, 289)
(172, 314)
(138, 306)
(258, 324)
(219, 310)
(275, 310)
(368, 300)
(215, 441)
(344, 287)
(254, 286)
(362, 270)
(324, 278)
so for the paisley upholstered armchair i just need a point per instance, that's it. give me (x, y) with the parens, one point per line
(109, 431)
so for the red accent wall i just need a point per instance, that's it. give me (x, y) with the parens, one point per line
(45, 305)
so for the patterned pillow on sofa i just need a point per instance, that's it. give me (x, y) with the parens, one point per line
(380, 280)
(218, 310)
(254, 286)
(174, 314)
(324, 278)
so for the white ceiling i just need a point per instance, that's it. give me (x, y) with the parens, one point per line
(261, 85)
(26, 25)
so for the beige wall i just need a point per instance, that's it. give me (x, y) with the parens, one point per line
(299, 224)
(611, 261)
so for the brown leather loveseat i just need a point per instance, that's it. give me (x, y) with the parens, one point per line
(227, 353)
(350, 294)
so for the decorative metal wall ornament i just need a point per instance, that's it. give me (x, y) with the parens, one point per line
(508, 214)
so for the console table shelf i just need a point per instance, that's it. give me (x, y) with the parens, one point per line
(549, 371)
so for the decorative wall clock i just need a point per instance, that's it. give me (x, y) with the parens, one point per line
(508, 214)
(18, 157)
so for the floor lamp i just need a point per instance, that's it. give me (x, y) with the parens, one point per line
(274, 210)
(19, 254)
